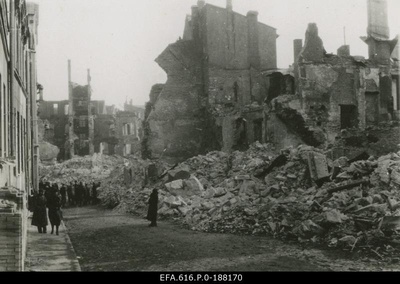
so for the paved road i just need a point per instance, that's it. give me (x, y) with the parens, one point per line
(108, 241)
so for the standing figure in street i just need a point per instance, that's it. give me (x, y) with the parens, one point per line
(55, 214)
(69, 195)
(39, 217)
(63, 192)
(94, 193)
(79, 194)
(153, 208)
(87, 194)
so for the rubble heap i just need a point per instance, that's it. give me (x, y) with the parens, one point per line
(124, 185)
(292, 194)
(86, 169)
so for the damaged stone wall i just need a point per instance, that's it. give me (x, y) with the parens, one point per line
(176, 119)
(52, 129)
(333, 93)
(105, 134)
(215, 89)
(128, 128)
(82, 125)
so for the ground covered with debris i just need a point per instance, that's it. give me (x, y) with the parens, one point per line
(296, 194)
(106, 240)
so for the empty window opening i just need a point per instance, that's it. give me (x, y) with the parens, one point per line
(372, 107)
(240, 134)
(258, 133)
(55, 109)
(348, 116)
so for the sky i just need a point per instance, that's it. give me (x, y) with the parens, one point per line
(118, 40)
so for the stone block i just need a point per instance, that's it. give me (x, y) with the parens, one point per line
(318, 165)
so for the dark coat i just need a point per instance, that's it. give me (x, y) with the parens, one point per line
(153, 207)
(55, 213)
(39, 217)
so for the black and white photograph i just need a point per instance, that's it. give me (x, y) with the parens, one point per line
(199, 140)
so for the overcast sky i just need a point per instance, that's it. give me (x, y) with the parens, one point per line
(119, 39)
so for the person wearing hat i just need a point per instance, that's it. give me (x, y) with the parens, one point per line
(39, 217)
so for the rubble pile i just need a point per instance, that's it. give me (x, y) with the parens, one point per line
(123, 190)
(297, 194)
(86, 169)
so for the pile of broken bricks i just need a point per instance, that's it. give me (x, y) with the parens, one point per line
(86, 169)
(295, 194)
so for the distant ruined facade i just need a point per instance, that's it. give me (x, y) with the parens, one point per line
(224, 90)
(89, 126)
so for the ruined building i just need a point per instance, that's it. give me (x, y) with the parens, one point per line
(19, 23)
(88, 127)
(336, 92)
(214, 95)
(224, 90)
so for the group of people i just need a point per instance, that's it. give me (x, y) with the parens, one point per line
(76, 194)
(53, 198)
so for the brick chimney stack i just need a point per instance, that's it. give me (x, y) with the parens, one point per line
(229, 5)
(201, 4)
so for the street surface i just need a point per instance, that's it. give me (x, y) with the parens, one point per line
(108, 241)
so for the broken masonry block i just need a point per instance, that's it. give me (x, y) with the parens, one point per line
(318, 166)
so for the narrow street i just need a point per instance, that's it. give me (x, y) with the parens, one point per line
(108, 241)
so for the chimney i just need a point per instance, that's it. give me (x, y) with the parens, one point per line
(201, 4)
(253, 46)
(229, 5)
(297, 47)
(379, 45)
(344, 50)
(378, 23)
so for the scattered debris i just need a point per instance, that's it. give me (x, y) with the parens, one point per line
(242, 193)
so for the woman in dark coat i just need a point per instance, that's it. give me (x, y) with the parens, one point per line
(55, 214)
(39, 217)
(153, 208)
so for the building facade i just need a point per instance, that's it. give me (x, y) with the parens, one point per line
(18, 128)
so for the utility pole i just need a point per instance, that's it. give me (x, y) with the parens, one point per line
(90, 115)
(71, 143)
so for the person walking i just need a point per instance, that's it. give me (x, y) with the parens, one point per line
(55, 213)
(39, 218)
(153, 208)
